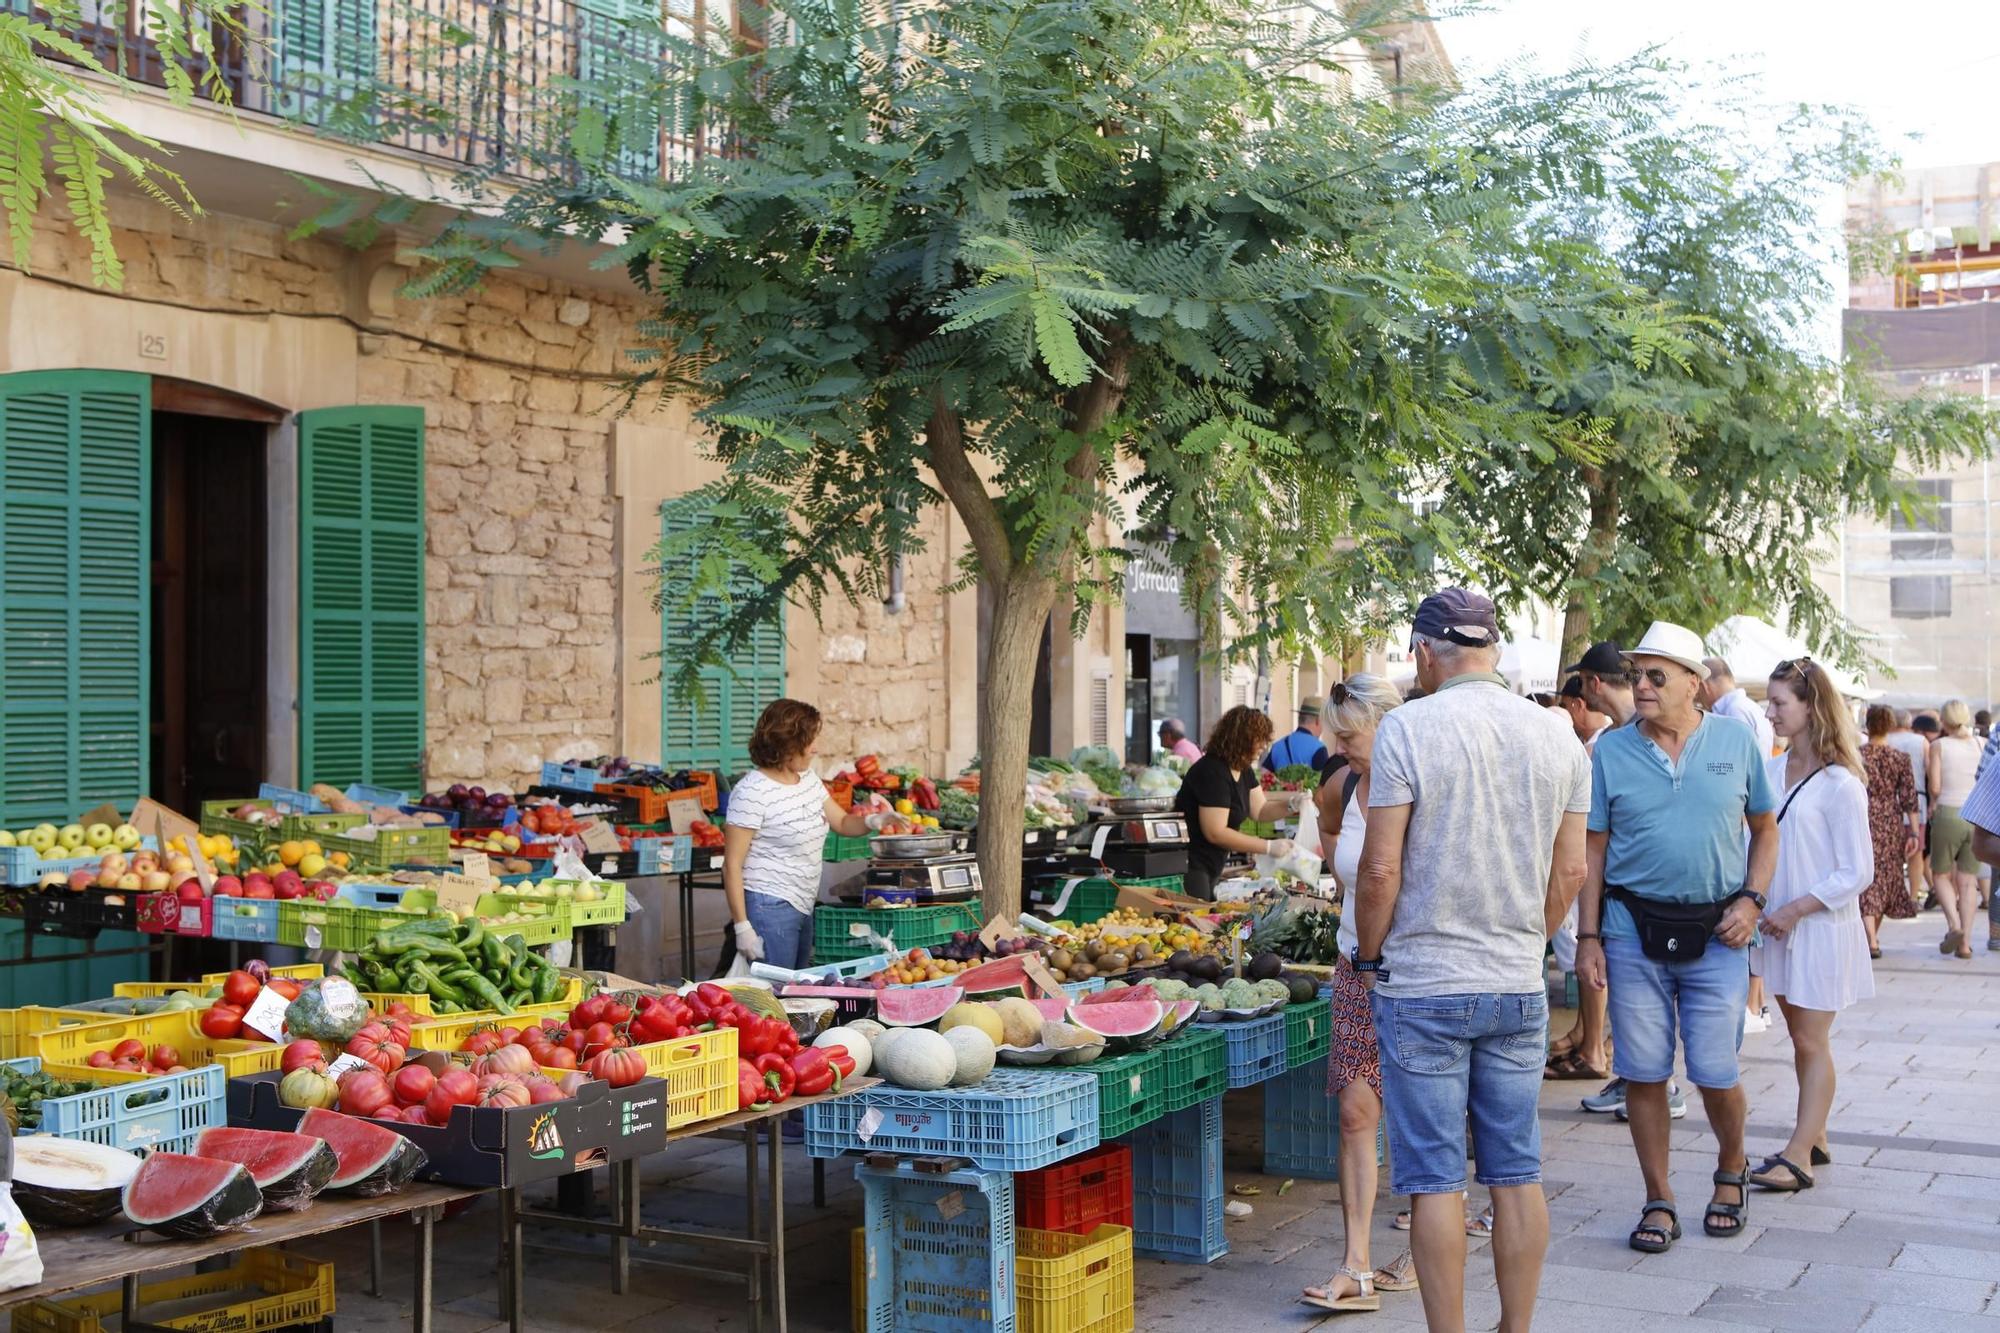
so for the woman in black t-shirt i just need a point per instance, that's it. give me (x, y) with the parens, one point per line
(1220, 791)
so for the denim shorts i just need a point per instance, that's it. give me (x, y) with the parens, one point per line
(786, 931)
(1704, 999)
(1447, 1058)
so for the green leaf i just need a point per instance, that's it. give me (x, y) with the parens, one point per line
(1055, 339)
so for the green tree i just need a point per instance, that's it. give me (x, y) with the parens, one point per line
(53, 113)
(1715, 464)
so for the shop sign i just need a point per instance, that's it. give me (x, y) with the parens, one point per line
(1153, 602)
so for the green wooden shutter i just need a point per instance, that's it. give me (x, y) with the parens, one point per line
(361, 596)
(75, 592)
(619, 54)
(715, 733)
(326, 57)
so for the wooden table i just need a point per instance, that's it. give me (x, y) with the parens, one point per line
(77, 1258)
(763, 1247)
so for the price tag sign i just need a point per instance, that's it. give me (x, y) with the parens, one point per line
(871, 1120)
(267, 1013)
(951, 1205)
(460, 893)
(478, 867)
(346, 1062)
(683, 811)
(600, 837)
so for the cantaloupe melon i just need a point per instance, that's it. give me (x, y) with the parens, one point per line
(981, 1016)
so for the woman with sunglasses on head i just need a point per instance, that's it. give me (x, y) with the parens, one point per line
(1814, 949)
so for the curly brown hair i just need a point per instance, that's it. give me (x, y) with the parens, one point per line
(784, 729)
(1239, 736)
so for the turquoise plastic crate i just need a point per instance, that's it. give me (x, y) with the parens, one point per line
(571, 777)
(1302, 1126)
(291, 802)
(671, 855)
(162, 1114)
(1016, 1120)
(935, 1268)
(251, 919)
(23, 866)
(1177, 1186)
(1256, 1049)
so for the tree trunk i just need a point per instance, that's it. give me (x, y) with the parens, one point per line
(1598, 543)
(1021, 611)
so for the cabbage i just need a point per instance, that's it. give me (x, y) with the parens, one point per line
(1153, 782)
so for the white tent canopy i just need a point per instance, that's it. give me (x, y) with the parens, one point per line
(1531, 665)
(1753, 647)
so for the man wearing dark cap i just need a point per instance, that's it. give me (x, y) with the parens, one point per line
(1475, 848)
(1607, 682)
(1302, 746)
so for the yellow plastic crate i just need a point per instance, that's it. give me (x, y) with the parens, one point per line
(420, 1005)
(700, 1072)
(445, 1034)
(66, 1052)
(22, 1030)
(1065, 1283)
(278, 1289)
(295, 971)
(153, 990)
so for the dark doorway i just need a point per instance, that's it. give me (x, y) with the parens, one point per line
(210, 576)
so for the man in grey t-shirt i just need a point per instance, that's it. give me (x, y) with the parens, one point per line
(1475, 850)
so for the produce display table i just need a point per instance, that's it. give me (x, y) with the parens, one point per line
(763, 1241)
(117, 1251)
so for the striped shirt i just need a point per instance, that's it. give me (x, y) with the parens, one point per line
(789, 842)
(1982, 808)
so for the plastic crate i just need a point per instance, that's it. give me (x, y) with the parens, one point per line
(555, 924)
(291, 801)
(333, 924)
(1076, 990)
(840, 848)
(571, 777)
(1131, 1089)
(252, 919)
(140, 990)
(1177, 1186)
(1078, 900)
(291, 972)
(1016, 1120)
(1302, 1125)
(1308, 1032)
(367, 795)
(669, 855)
(931, 1264)
(606, 911)
(1068, 1283)
(21, 867)
(1256, 1049)
(138, 1113)
(1079, 1193)
(217, 817)
(700, 1074)
(279, 1289)
(649, 804)
(394, 846)
(78, 916)
(66, 1051)
(22, 1030)
(420, 1006)
(909, 927)
(1196, 1066)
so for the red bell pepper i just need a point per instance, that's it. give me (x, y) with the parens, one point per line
(868, 766)
(784, 1039)
(924, 794)
(842, 1062)
(778, 1074)
(814, 1072)
(713, 996)
(752, 1092)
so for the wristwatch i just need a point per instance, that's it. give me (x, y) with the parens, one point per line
(1365, 964)
(1756, 898)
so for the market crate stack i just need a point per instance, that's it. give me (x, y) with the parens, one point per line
(1177, 1186)
(1302, 1126)
(939, 1249)
(1078, 1194)
(1015, 1120)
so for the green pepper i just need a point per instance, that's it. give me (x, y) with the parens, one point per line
(548, 983)
(434, 985)
(470, 934)
(493, 949)
(488, 994)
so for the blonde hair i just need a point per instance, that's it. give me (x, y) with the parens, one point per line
(1955, 717)
(1363, 700)
(1829, 727)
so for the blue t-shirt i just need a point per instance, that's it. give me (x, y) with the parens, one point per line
(1676, 830)
(1300, 747)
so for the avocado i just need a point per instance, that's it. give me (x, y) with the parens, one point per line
(1264, 967)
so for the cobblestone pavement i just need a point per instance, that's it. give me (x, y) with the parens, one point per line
(1902, 1232)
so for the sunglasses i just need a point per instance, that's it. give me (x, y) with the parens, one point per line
(1339, 693)
(1656, 676)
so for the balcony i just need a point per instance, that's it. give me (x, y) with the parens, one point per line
(491, 88)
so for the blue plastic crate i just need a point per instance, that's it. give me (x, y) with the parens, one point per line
(672, 855)
(1014, 1121)
(450, 817)
(1302, 1126)
(1076, 990)
(367, 795)
(291, 802)
(23, 866)
(571, 777)
(1256, 1049)
(163, 1114)
(252, 919)
(938, 1250)
(1177, 1186)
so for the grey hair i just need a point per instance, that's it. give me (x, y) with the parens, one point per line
(1458, 654)
(1365, 700)
(1903, 718)
(1717, 667)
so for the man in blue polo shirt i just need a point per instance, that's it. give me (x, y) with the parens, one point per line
(1670, 902)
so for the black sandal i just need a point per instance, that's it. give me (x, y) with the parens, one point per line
(1573, 1067)
(1778, 1162)
(1738, 1213)
(1821, 1157)
(1650, 1237)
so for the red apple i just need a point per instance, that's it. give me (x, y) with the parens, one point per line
(324, 890)
(261, 890)
(191, 891)
(227, 886)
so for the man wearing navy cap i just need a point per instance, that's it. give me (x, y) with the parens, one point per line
(1475, 848)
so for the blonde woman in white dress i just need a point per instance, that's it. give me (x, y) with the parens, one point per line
(1814, 947)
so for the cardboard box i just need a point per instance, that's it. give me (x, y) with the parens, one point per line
(1159, 900)
(500, 1147)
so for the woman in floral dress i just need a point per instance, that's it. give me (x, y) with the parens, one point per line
(1892, 826)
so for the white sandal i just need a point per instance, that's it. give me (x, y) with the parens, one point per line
(1364, 1298)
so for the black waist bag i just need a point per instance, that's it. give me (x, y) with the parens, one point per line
(1671, 932)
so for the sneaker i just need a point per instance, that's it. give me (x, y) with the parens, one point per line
(1677, 1104)
(1608, 1098)
(1756, 1023)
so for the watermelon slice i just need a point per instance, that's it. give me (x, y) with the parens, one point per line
(1052, 1007)
(1124, 1024)
(191, 1197)
(372, 1160)
(915, 1006)
(290, 1169)
(70, 1183)
(1002, 976)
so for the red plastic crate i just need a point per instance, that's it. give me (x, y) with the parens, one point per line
(166, 914)
(1078, 1195)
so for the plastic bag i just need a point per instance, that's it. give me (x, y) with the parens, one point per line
(20, 1256)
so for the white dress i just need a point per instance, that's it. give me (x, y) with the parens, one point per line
(1823, 850)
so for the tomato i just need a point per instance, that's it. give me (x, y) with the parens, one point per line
(373, 1044)
(412, 1084)
(102, 1060)
(557, 1057)
(364, 1092)
(129, 1049)
(599, 1037)
(616, 1011)
(510, 1036)
(575, 1040)
(621, 1069)
(222, 1021)
(240, 989)
(543, 1091)
(515, 1060)
(129, 1066)
(503, 1090)
(286, 987)
(483, 1041)
(165, 1057)
(302, 1054)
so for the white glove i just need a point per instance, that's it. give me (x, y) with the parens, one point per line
(748, 942)
(878, 819)
(1280, 848)
(1295, 801)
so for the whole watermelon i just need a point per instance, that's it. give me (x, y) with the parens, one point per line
(328, 1010)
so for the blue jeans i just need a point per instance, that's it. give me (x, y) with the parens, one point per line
(1705, 1000)
(785, 930)
(1449, 1057)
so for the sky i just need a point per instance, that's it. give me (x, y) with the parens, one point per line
(1942, 84)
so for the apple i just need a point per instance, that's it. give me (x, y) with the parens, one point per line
(144, 860)
(180, 861)
(125, 836)
(129, 882)
(7, 839)
(106, 879)
(76, 881)
(324, 890)
(289, 888)
(42, 837)
(114, 862)
(154, 881)
(97, 835)
(258, 887)
(71, 835)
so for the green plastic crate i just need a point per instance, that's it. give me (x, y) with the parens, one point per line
(394, 847)
(557, 925)
(1094, 899)
(1131, 1090)
(1196, 1065)
(912, 928)
(606, 911)
(1308, 1032)
(215, 818)
(845, 849)
(340, 925)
